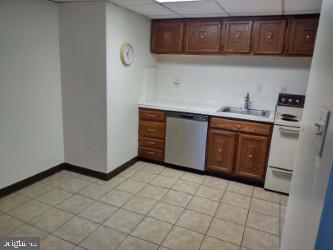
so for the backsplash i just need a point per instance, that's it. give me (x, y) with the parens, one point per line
(227, 79)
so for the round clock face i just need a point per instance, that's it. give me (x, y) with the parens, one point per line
(127, 53)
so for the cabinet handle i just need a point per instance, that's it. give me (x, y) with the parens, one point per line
(250, 156)
(203, 35)
(220, 150)
(237, 36)
(151, 129)
(307, 37)
(238, 126)
(269, 36)
(165, 36)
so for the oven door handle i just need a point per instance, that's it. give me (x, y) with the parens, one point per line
(289, 130)
(281, 171)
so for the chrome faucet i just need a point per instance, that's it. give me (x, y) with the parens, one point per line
(247, 102)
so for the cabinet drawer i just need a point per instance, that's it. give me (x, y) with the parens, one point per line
(151, 143)
(242, 126)
(152, 129)
(149, 153)
(152, 115)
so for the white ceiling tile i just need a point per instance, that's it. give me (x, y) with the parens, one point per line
(131, 2)
(252, 7)
(199, 7)
(153, 9)
(302, 6)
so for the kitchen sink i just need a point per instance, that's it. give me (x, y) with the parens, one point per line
(254, 112)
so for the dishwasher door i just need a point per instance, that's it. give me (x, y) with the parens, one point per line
(186, 136)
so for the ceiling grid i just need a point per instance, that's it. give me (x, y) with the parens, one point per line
(216, 8)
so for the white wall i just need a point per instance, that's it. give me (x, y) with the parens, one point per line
(227, 79)
(310, 178)
(124, 84)
(83, 63)
(30, 89)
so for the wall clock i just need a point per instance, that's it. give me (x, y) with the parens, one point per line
(126, 54)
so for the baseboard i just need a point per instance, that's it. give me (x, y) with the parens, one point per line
(30, 180)
(122, 168)
(65, 166)
(100, 175)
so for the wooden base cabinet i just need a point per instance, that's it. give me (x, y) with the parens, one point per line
(221, 150)
(151, 134)
(251, 156)
(238, 148)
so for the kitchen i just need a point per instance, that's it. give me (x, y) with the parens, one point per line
(185, 117)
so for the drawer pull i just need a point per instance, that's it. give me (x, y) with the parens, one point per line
(220, 150)
(250, 156)
(150, 152)
(238, 126)
(151, 115)
(151, 142)
(151, 129)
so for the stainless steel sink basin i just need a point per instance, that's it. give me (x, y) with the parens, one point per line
(254, 112)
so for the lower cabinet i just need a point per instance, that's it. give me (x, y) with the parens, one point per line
(151, 134)
(251, 156)
(238, 150)
(221, 150)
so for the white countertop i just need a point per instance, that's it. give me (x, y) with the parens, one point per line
(204, 110)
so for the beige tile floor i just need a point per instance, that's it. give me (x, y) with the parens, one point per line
(146, 207)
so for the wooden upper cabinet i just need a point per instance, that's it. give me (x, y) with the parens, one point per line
(302, 36)
(167, 37)
(252, 156)
(237, 37)
(269, 36)
(202, 36)
(221, 150)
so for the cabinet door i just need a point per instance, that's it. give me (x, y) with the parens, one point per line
(302, 36)
(167, 37)
(221, 150)
(269, 37)
(237, 36)
(252, 156)
(202, 37)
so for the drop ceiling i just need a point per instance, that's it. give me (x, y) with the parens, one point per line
(217, 8)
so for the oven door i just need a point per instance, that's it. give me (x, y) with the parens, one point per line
(283, 147)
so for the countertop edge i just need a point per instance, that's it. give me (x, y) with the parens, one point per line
(207, 112)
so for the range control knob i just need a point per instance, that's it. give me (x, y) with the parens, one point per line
(298, 101)
(290, 100)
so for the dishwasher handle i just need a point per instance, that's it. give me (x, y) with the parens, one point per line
(188, 116)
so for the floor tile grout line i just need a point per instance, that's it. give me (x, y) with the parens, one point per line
(214, 216)
(112, 188)
(247, 217)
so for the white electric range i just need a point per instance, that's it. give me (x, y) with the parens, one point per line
(284, 142)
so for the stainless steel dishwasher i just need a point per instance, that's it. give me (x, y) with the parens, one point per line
(186, 136)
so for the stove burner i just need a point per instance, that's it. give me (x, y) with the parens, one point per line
(288, 116)
(289, 119)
